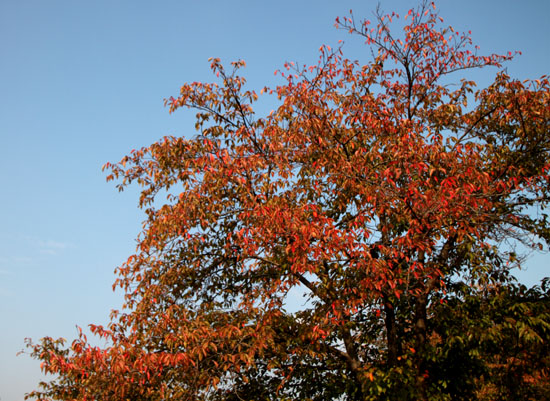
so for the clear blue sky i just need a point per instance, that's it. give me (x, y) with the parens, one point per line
(83, 83)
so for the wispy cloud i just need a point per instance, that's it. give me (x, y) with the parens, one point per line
(22, 259)
(51, 247)
(55, 244)
(7, 263)
(29, 250)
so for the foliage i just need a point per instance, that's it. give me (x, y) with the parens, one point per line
(516, 344)
(393, 193)
(496, 340)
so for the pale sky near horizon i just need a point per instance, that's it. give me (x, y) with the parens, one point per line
(83, 83)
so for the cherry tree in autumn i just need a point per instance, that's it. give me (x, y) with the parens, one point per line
(394, 193)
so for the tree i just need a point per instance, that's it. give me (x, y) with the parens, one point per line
(383, 190)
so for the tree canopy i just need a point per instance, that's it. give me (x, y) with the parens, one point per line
(394, 193)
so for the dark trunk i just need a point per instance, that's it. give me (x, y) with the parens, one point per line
(354, 364)
(420, 342)
(391, 332)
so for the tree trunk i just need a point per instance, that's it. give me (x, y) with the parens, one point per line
(420, 340)
(391, 332)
